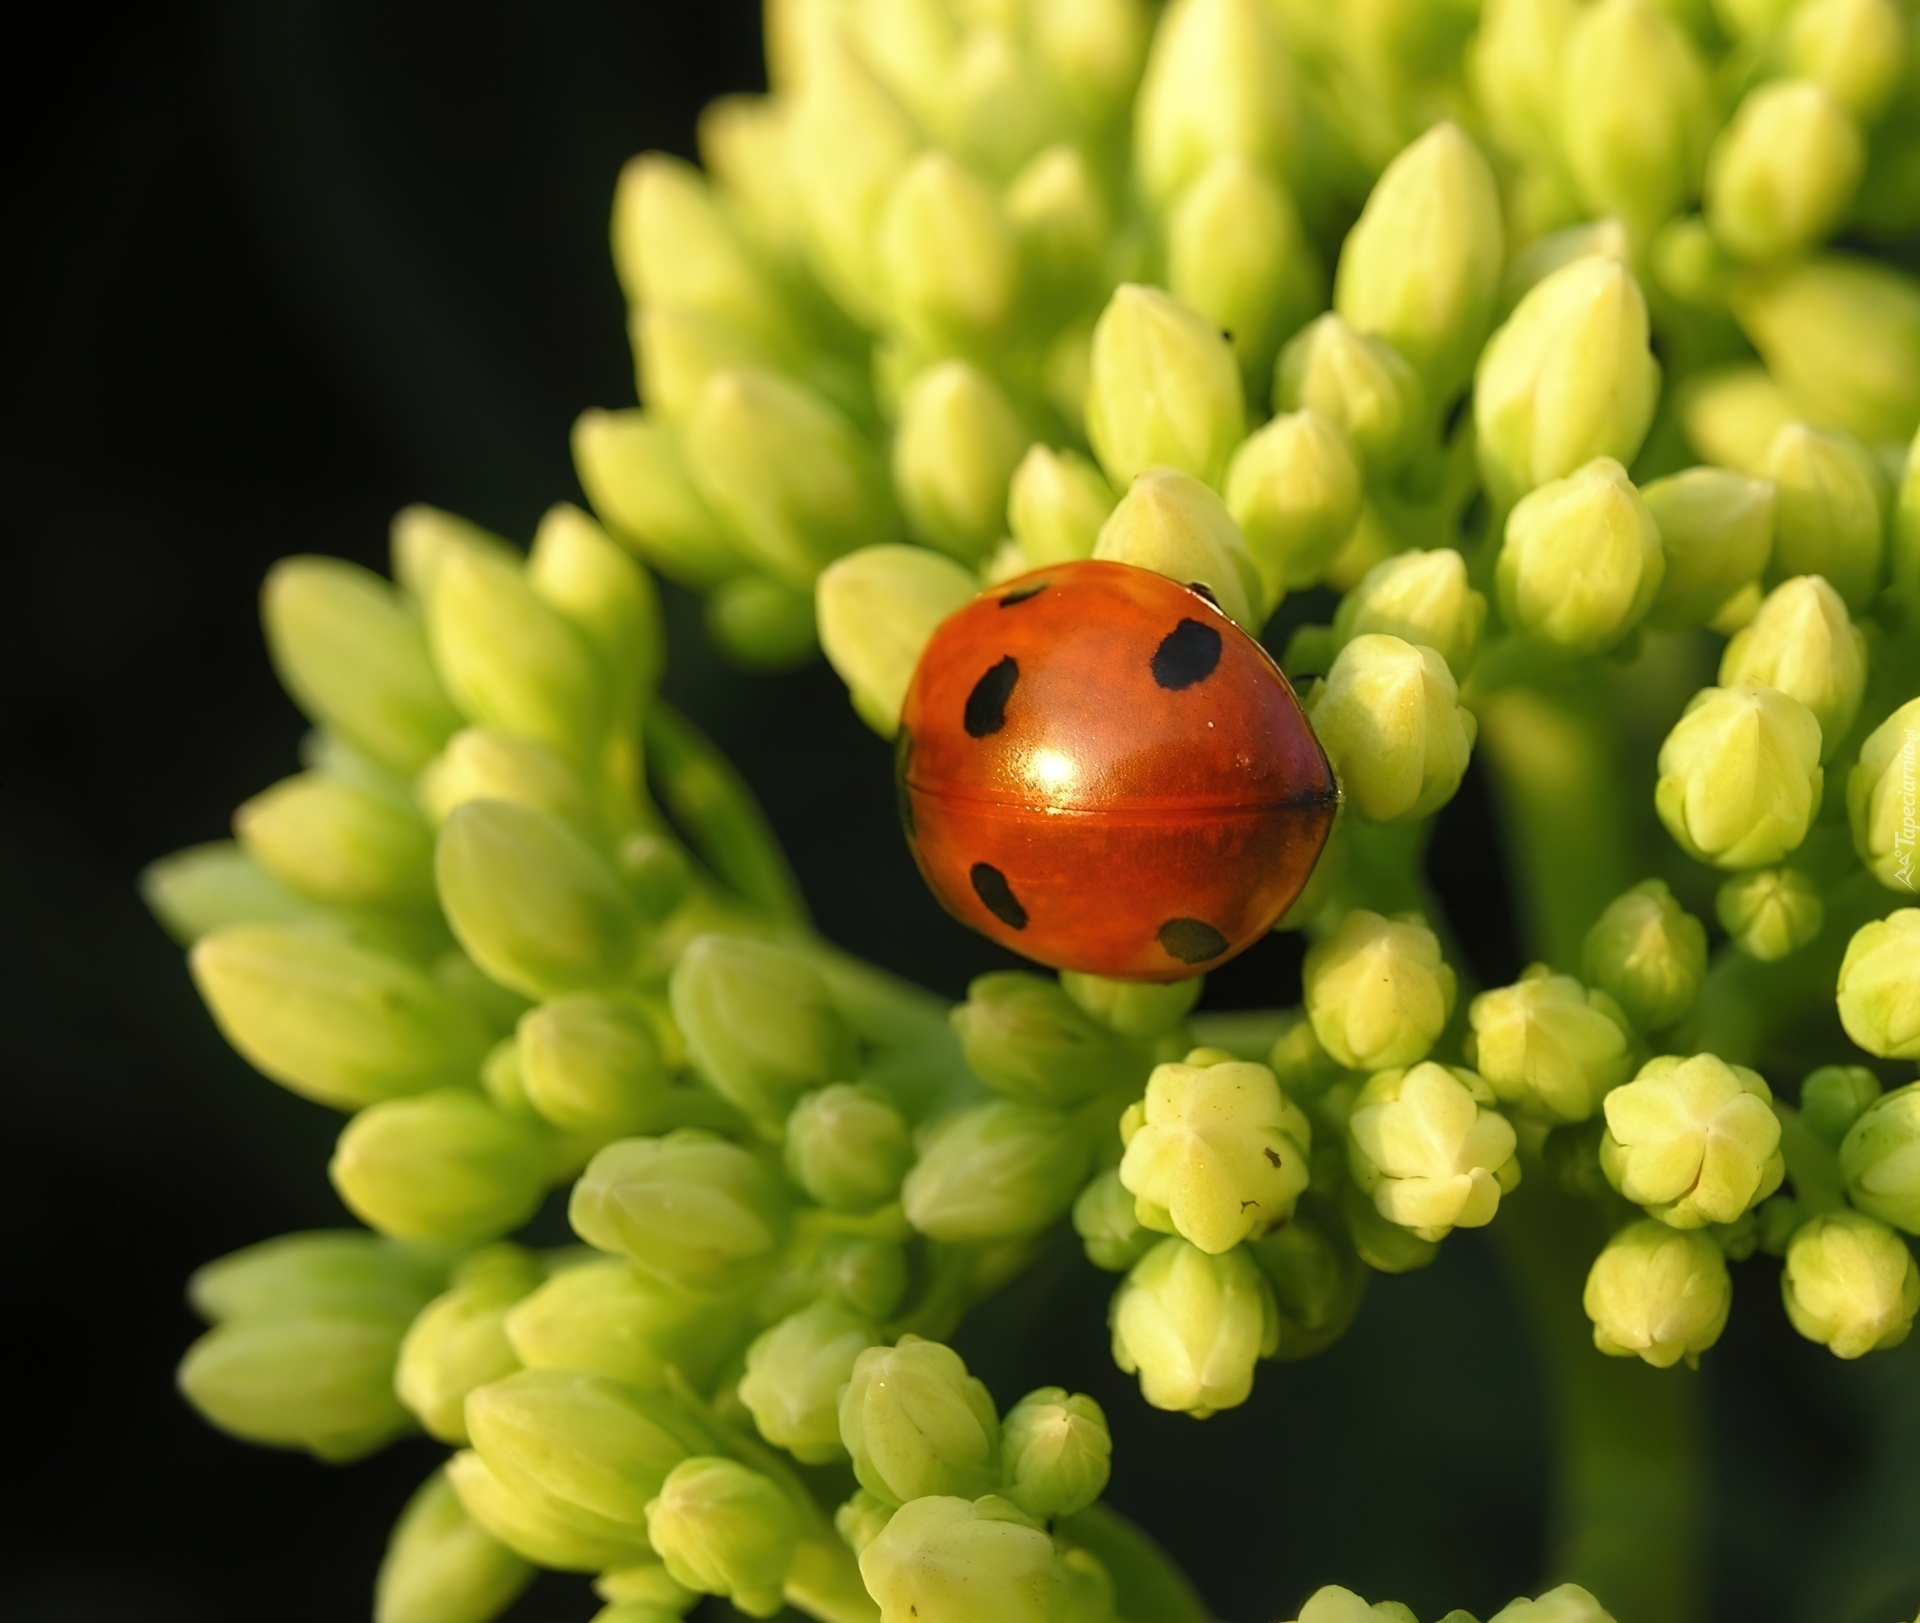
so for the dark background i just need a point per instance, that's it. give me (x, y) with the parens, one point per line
(286, 267)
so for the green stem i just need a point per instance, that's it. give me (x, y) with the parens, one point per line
(1149, 1587)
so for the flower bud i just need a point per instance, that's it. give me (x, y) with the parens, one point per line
(576, 568)
(1783, 170)
(1568, 1603)
(1770, 912)
(1851, 1284)
(479, 764)
(953, 457)
(634, 472)
(1659, 1294)
(1694, 1141)
(459, 1341)
(1294, 490)
(1332, 1604)
(847, 1146)
(762, 623)
(1057, 1451)
(536, 1528)
(1177, 527)
(1567, 379)
(1385, 1247)
(1092, 50)
(1731, 415)
(208, 887)
(1025, 1037)
(916, 1423)
(947, 252)
(1389, 718)
(1649, 954)
(1317, 1279)
(1581, 560)
(1421, 598)
(1879, 989)
(591, 1065)
(334, 1022)
(1881, 798)
(1880, 1157)
(1060, 221)
(1636, 112)
(1105, 1216)
(320, 1381)
(607, 1319)
(1513, 65)
(1377, 991)
(674, 245)
(1191, 1326)
(795, 1373)
(1217, 81)
(1133, 1008)
(877, 609)
(1740, 776)
(354, 657)
(794, 484)
(1716, 534)
(723, 1529)
(1359, 383)
(998, 1171)
(1164, 390)
(759, 1023)
(944, 1558)
(1834, 1097)
(1056, 504)
(1216, 1154)
(677, 352)
(1904, 541)
(320, 1272)
(1425, 1144)
(1854, 48)
(535, 907)
(861, 1520)
(442, 1566)
(449, 1166)
(1548, 1046)
(689, 1209)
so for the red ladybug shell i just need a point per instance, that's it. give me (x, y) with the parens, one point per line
(1100, 770)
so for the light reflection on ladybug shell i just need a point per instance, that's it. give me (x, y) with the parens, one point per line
(1100, 770)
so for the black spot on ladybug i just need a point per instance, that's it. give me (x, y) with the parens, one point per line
(1187, 654)
(987, 703)
(1024, 593)
(902, 762)
(1204, 590)
(1192, 941)
(991, 886)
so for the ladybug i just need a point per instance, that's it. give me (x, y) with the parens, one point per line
(1100, 770)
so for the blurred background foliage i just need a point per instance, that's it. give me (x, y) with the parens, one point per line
(286, 267)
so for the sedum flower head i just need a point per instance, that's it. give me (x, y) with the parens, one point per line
(1648, 953)
(1427, 1146)
(1422, 598)
(916, 1423)
(1294, 489)
(1882, 799)
(1658, 1293)
(1740, 776)
(1694, 1141)
(1850, 1283)
(1192, 1326)
(441, 1564)
(1880, 1159)
(1389, 717)
(1783, 170)
(1581, 561)
(1215, 1153)
(1164, 390)
(1057, 1451)
(1359, 383)
(1548, 1046)
(997, 1171)
(723, 1529)
(1716, 534)
(1378, 992)
(1770, 912)
(1879, 987)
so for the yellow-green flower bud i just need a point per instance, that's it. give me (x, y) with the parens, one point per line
(1359, 383)
(1548, 1046)
(1879, 989)
(1024, 1036)
(576, 568)
(1294, 489)
(678, 351)
(1060, 221)
(1716, 534)
(1421, 268)
(1659, 1294)
(1567, 379)
(944, 1558)
(535, 906)
(1377, 991)
(1092, 51)
(1174, 525)
(424, 539)
(762, 623)
(953, 458)
(1740, 776)
(354, 657)
(1881, 798)
(1389, 717)
(211, 886)
(323, 1271)
(998, 1171)
(635, 474)
(1751, 20)
(1568, 1603)
(1385, 1247)
(1851, 1284)
(1420, 597)
(1215, 1154)
(847, 1146)
(1581, 559)
(1636, 111)
(459, 1341)
(1133, 1008)
(689, 1209)
(1694, 1141)
(916, 1423)
(1427, 1146)
(794, 484)
(877, 608)
(1164, 390)
(1217, 81)
(1056, 504)
(605, 1318)
(1770, 912)
(332, 1021)
(1513, 65)
(1834, 1097)
(1332, 1604)
(1855, 48)
(1058, 1452)
(1783, 171)
(1648, 953)
(339, 842)
(448, 1166)
(861, 1520)
(1192, 1326)
(1731, 415)
(480, 764)
(947, 252)
(723, 1529)
(1904, 541)
(674, 245)
(591, 1065)
(644, 1583)
(1317, 1279)
(1106, 1217)
(795, 1373)
(1880, 1155)
(532, 1525)
(442, 1566)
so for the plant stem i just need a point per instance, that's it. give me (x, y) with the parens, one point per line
(1147, 1584)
